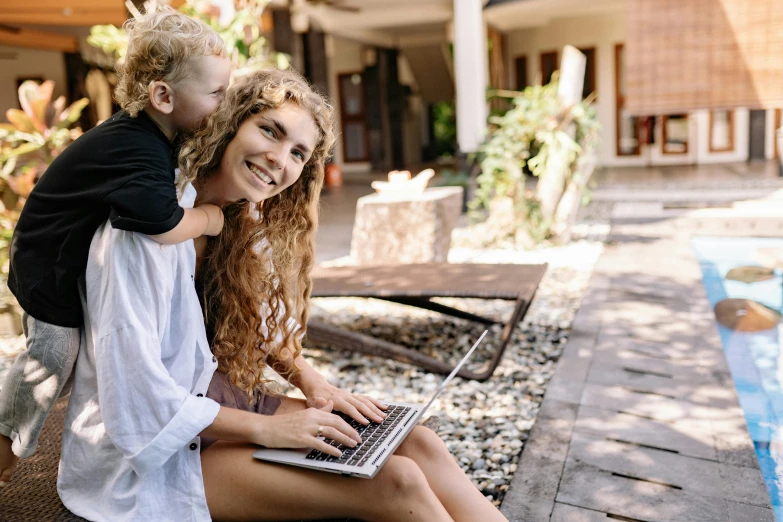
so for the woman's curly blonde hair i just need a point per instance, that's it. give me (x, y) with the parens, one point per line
(256, 275)
(161, 45)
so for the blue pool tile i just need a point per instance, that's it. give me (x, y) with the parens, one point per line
(755, 359)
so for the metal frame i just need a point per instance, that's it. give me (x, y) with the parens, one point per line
(340, 338)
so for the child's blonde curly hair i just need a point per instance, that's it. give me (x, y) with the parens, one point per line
(161, 44)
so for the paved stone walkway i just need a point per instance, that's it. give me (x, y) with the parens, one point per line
(641, 421)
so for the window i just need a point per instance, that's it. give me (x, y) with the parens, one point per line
(675, 134)
(589, 85)
(548, 66)
(721, 130)
(520, 66)
(627, 127)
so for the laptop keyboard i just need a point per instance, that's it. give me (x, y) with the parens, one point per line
(372, 436)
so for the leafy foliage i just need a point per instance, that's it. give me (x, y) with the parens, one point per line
(523, 142)
(36, 135)
(41, 130)
(444, 127)
(245, 44)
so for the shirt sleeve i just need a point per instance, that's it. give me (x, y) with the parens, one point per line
(147, 414)
(146, 203)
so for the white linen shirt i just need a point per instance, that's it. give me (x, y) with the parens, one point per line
(131, 450)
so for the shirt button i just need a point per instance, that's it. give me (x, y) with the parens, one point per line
(199, 395)
(193, 446)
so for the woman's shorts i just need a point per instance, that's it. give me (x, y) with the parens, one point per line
(226, 394)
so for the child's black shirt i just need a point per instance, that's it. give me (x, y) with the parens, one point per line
(122, 170)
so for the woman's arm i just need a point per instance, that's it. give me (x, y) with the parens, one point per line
(315, 387)
(136, 309)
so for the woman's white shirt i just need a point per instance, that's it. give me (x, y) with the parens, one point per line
(130, 442)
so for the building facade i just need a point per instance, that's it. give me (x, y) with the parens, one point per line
(386, 64)
(535, 32)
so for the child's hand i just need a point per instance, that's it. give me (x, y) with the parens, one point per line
(215, 217)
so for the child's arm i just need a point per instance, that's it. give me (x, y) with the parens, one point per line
(198, 221)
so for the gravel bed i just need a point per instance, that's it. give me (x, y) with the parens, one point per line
(485, 425)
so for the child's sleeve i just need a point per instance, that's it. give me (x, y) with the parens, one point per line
(146, 203)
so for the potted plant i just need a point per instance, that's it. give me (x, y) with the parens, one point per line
(538, 135)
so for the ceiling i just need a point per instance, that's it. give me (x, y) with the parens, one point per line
(507, 15)
(386, 23)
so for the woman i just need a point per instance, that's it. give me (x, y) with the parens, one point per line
(138, 410)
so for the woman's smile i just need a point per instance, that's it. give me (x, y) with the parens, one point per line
(260, 173)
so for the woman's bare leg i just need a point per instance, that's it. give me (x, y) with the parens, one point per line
(239, 487)
(456, 492)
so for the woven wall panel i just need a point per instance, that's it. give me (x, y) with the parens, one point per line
(696, 54)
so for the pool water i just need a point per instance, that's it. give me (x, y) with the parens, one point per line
(755, 358)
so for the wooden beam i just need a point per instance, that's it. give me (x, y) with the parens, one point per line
(65, 16)
(38, 40)
(49, 5)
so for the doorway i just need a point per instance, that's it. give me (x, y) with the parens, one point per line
(758, 132)
(353, 117)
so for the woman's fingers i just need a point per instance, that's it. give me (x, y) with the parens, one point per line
(323, 447)
(368, 409)
(337, 435)
(361, 409)
(375, 406)
(378, 404)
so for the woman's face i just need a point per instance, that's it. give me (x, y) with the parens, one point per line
(267, 154)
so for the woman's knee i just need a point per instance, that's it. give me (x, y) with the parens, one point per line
(401, 477)
(423, 443)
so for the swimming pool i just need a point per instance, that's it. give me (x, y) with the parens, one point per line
(755, 359)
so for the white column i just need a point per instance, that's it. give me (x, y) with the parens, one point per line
(470, 72)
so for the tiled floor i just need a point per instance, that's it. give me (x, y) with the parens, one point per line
(641, 420)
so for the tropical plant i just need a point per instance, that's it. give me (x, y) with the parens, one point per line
(444, 128)
(36, 135)
(241, 30)
(537, 136)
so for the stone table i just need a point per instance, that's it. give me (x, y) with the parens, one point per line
(407, 229)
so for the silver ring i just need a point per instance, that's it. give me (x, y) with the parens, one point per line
(320, 431)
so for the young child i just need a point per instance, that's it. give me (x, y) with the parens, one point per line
(174, 76)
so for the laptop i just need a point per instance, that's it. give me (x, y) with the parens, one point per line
(379, 441)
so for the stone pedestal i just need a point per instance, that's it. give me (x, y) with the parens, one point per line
(416, 229)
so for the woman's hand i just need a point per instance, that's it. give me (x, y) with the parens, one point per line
(359, 407)
(306, 429)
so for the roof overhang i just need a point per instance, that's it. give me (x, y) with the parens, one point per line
(508, 15)
(387, 23)
(64, 12)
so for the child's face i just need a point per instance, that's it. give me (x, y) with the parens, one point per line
(267, 155)
(198, 95)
